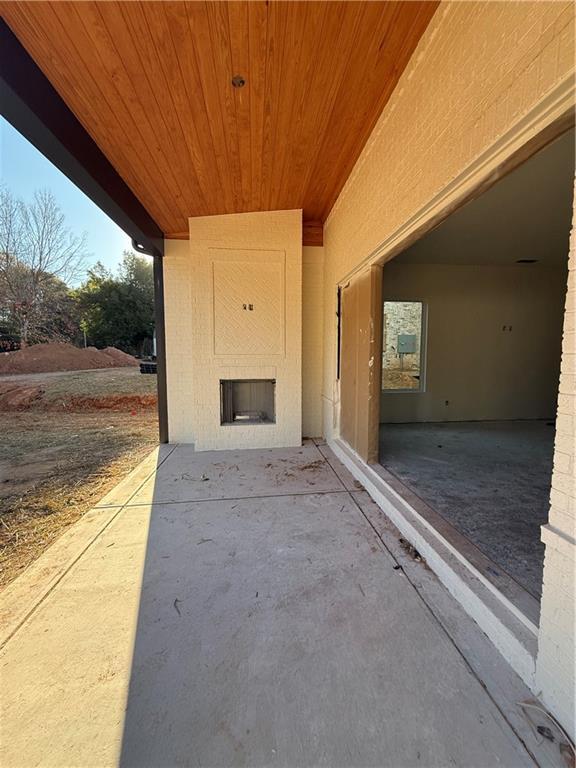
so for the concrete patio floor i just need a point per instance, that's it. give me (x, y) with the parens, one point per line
(249, 608)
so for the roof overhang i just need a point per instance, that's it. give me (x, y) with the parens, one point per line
(136, 102)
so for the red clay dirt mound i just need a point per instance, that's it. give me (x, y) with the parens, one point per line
(121, 358)
(46, 358)
(14, 397)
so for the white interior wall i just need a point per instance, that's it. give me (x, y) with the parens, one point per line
(474, 369)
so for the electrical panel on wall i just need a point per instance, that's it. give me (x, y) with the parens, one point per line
(249, 303)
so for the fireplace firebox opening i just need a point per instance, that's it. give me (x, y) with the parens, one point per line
(247, 401)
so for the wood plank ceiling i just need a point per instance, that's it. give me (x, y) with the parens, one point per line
(151, 83)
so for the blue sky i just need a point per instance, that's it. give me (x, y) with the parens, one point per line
(24, 169)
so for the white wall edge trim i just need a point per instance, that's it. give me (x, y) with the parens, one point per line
(557, 103)
(513, 634)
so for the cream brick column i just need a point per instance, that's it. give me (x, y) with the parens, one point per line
(246, 319)
(179, 332)
(556, 662)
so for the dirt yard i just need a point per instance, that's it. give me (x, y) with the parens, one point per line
(397, 379)
(67, 439)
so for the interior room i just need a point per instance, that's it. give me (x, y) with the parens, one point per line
(472, 332)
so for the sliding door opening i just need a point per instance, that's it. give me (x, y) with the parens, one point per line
(471, 344)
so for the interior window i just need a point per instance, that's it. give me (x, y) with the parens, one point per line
(402, 348)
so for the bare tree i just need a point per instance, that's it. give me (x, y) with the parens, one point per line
(35, 247)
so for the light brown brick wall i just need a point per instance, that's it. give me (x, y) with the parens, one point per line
(555, 668)
(480, 70)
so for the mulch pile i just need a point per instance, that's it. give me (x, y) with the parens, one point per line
(47, 358)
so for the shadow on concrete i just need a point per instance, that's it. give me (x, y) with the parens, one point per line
(274, 629)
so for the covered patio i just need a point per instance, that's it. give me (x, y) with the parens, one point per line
(248, 608)
(239, 599)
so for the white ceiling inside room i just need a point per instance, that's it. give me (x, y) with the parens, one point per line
(526, 215)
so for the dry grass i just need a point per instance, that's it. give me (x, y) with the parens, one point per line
(54, 467)
(119, 389)
(99, 383)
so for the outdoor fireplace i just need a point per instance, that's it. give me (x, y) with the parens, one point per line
(247, 401)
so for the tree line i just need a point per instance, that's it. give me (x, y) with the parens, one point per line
(41, 263)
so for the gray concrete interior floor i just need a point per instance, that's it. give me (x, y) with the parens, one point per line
(490, 480)
(249, 608)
